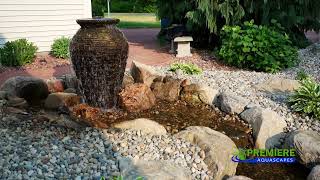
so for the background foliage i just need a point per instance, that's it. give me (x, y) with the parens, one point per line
(259, 48)
(17, 53)
(209, 16)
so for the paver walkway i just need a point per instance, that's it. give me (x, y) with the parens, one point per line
(143, 47)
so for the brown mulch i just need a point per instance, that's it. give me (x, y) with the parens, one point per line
(41, 61)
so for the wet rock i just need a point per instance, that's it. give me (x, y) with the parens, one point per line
(314, 174)
(278, 85)
(17, 102)
(267, 126)
(56, 100)
(3, 95)
(137, 97)
(66, 121)
(88, 115)
(168, 90)
(70, 90)
(31, 89)
(127, 80)
(155, 170)
(144, 125)
(142, 73)
(55, 85)
(70, 81)
(307, 146)
(197, 93)
(218, 148)
(239, 178)
(231, 104)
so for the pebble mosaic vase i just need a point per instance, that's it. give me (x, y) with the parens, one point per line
(99, 53)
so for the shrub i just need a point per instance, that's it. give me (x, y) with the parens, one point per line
(17, 53)
(307, 98)
(186, 68)
(98, 7)
(60, 47)
(259, 48)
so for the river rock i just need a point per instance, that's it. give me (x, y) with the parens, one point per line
(55, 85)
(307, 146)
(197, 93)
(314, 174)
(137, 97)
(142, 73)
(31, 89)
(155, 170)
(17, 102)
(127, 80)
(168, 90)
(3, 95)
(218, 149)
(239, 178)
(278, 85)
(231, 104)
(70, 81)
(145, 125)
(56, 100)
(267, 126)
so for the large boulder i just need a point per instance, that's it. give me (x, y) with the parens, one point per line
(218, 149)
(31, 89)
(307, 146)
(142, 73)
(278, 85)
(145, 125)
(267, 126)
(137, 97)
(168, 90)
(56, 100)
(231, 104)
(152, 170)
(198, 93)
(314, 174)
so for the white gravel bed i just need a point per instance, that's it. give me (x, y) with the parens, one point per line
(34, 149)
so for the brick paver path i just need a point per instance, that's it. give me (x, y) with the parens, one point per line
(143, 47)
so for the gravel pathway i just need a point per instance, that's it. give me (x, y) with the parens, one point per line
(241, 83)
(31, 148)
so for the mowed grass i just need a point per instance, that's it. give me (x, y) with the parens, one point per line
(136, 20)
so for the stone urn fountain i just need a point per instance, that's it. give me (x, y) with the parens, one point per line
(99, 53)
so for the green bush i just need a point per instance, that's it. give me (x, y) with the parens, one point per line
(17, 53)
(259, 48)
(60, 47)
(307, 98)
(186, 68)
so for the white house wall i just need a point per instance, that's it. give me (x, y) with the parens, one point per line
(41, 21)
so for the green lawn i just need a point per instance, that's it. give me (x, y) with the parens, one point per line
(136, 20)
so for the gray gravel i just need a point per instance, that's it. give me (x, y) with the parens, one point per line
(241, 83)
(31, 148)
